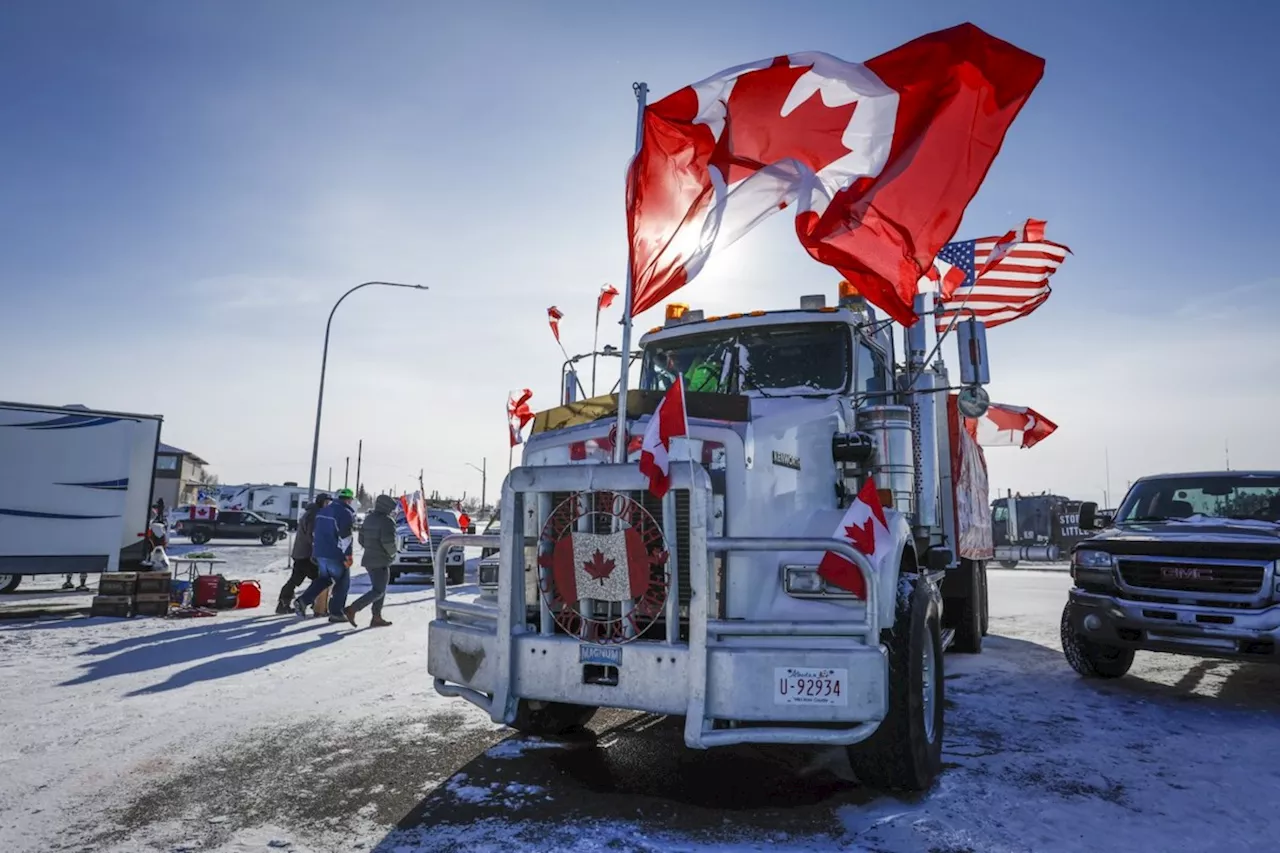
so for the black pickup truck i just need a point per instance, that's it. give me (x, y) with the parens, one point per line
(1188, 565)
(232, 524)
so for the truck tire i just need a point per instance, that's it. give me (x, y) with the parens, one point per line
(454, 575)
(268, 537)
(967, 618)
(199, 537)
(905, 753)
(1008, 564)
(1092, 660)
(534, 717)
(8, 583)
(393, 577)
(986, 604)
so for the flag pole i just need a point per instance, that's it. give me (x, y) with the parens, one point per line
(595, 347)
(620, 447)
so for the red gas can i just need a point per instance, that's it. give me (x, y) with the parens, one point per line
(250, 594)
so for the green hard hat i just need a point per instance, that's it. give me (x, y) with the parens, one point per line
(345, 494)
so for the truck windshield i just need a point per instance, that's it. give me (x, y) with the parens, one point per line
(1240, 496)
(808, 358)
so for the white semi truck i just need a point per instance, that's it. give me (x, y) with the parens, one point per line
(708, 603)
(75, 489)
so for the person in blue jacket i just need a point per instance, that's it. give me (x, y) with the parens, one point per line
(331, 547)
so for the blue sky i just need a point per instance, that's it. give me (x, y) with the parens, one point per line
(190, 185)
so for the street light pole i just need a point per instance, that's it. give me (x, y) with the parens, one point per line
(483, 468)
(324, 361)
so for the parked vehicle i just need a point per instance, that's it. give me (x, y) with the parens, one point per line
(416, 557)
(277, 503)
(75, 490)
(708, 603)
(1187, 565)
(232, 524)
(1034, 528)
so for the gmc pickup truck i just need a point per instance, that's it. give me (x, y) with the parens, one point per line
(1188, 565)
(232, 524)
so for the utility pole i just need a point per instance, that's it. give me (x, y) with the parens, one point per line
(1106, 494)
(483, 468)
(331, 478)
(359, 456)
(1226, 451)
(346, 474)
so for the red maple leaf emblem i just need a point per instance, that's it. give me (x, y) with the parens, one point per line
(863, 536)
(1006, 420)
(598, 567)
(756, 133)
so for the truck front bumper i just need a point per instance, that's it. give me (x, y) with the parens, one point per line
(1220, 632)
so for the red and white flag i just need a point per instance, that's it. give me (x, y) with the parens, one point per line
(553, 319)
(518, 414)
(865, 527)
(669, 421)
(880, 159)
(1031, 231)
(607, 294)
(415, 515)
(1010, 426)
(464, 520)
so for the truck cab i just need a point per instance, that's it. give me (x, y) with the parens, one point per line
(720, 613)
(1186, 565)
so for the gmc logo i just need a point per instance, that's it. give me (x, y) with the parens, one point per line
(1185, 573)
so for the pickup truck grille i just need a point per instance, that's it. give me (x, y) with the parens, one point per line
(1217, 578)
(411, 543)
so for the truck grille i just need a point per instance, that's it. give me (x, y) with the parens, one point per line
(1193, 577)
(411, 543)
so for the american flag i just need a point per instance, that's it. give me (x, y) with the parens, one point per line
(1014, 286)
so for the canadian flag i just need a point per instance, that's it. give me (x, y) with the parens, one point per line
(607, 294)
(464, 520)
(1009, 426)
(879, 159)
(865, 527)
(668, 421)
(518, 414)
(554, 316)
(1032, 231)
(601, 566)
(415, 515)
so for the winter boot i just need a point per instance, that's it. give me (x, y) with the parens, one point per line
(284, 607)
(350, 613)
(68, 585)
(379, 622)
(299, 607)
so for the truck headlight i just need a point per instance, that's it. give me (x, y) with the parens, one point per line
(805, 582)
(1088, 559)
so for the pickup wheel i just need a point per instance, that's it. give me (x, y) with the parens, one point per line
(393, 577)
(199, 537)
(550, 718)
(905, 752)
(268, 537)
(8, 583)
(454, 575)
(1008, 564)
(1092, 660)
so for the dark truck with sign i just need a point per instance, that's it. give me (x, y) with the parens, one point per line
(1034, 528)
(1187, 565)
(232, 524)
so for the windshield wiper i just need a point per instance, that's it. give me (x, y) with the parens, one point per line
(744, 376)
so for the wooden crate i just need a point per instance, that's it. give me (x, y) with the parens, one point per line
(113, 584)
(152, 583)
(120, 606)
(151, 605)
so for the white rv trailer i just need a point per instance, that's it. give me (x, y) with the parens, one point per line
(75, 495)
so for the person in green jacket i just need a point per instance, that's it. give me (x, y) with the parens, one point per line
(378, 538)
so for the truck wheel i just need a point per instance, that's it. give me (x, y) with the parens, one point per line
(268, 537)
(8, 583)
(454, 575)
(1008, 564)
(199, 537)
(967, 621)
(905, 753)
(1092, 660)
(393, 577)
(986, 608)
(534, 717)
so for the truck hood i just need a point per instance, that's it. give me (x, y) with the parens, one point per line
(1197, 536)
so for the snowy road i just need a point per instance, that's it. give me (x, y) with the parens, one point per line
(248, 732)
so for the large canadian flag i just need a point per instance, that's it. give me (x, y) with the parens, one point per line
(601, 566)
(668, 421)
(865, 527)
(1010, 426)
(880, 160)
(415, 515)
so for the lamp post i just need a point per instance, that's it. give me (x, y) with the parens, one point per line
(483, 477)
(324, 361)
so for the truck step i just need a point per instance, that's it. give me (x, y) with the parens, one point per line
(948, 637)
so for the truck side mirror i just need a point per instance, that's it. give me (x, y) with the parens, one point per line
(971, 338)
(1088, 519)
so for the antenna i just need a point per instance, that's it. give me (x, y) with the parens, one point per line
(1226, 451)
(1106, 493)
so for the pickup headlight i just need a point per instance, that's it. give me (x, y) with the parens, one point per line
(1088, 559)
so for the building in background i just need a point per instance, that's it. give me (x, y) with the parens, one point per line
(179, 476)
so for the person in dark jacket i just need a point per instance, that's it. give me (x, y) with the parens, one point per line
(378, 538)
(304, 564)
(331, 546)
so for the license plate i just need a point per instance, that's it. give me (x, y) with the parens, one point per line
(600, 655)
(810, 686)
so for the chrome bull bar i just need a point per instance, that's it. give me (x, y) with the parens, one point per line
(498, 631)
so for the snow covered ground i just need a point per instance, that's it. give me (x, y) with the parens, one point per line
(254, 732)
